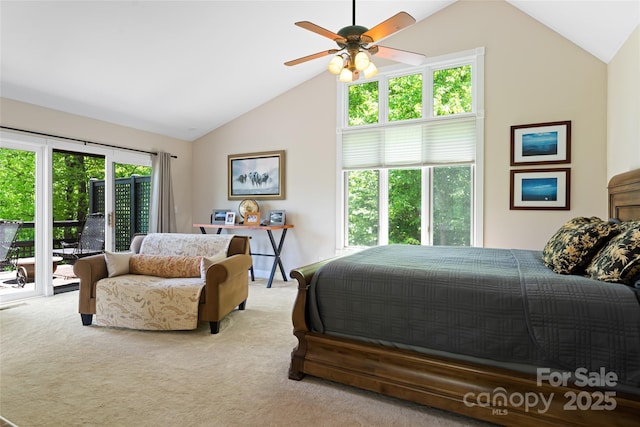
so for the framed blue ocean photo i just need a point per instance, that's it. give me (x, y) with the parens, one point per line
(540, 189)
(541, 143)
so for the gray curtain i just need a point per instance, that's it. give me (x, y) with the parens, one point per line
(162, 215)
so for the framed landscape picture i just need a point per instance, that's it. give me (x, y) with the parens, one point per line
(256, 175)
(541, 143)
(541, 189)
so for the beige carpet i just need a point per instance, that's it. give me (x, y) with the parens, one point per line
(56, 372)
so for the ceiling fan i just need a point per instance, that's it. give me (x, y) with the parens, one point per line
(353, 41)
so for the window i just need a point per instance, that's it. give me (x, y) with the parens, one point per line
(410, 146)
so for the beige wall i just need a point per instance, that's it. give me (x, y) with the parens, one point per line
(302, 122)
(623, 115)
(33, 118)
(532, 75)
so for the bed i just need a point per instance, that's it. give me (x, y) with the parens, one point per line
(503, 339)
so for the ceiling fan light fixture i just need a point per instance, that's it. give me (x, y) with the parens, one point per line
(370, 71)
(361, 61)
(336, 65)
(346, 75)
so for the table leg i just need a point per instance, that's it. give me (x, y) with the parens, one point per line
(276, 252)
(203, 231)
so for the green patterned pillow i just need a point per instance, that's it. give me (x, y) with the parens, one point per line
(571, 248)
(619, 260)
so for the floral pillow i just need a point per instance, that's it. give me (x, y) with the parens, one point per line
(169, 266)
(571, 248)
(619, 260)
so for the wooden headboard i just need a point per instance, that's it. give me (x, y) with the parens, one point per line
(624, 196)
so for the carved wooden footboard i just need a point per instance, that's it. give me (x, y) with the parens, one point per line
(496, 395)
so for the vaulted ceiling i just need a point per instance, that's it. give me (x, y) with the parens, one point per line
(184, 68)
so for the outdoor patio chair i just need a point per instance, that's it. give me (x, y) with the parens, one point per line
(9, 252)
(90, 241)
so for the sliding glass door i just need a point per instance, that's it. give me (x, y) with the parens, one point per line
(54, 185)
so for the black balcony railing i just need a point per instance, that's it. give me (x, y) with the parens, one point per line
(26, 246)
(132, 196)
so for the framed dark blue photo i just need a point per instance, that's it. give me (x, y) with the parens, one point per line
(542, 189)
(541, 143)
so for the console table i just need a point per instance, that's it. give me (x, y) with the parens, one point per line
(277, 248)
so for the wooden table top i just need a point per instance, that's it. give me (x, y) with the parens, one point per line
(246, 227)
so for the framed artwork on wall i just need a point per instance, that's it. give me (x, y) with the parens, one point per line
(541, 143)
(256, 175)
(540, 189)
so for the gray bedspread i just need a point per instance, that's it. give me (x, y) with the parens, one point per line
(496, 304)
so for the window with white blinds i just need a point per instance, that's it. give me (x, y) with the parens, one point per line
(410, 178)
(451, 141)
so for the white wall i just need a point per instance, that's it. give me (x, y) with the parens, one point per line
(532, 75)
(623, 116)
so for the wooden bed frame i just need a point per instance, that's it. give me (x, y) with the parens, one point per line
(443, 383)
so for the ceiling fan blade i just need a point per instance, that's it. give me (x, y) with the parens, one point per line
(311, 57)
(396, 23)
(319, 30)
(397, 55)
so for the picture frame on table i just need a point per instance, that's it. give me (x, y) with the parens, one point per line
(256, 175)
(219, 216)
(252, 218)
(540, 189)
(541, 143)
(276, 217)
(230, 218)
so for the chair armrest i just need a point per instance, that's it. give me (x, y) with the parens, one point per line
(89, 270)
(226, 287)
(228, 268)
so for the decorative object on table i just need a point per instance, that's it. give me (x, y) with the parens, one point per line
(246, 206)
(219, 216)
(230, 218)
(252, 218)
(256, 175)
(276, 218)
(541, 189)
(541, 143)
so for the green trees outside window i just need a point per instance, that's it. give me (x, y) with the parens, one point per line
(407, 198)
(363, 104)
(405, 206)
(363, 196)
(405, 97)
(71, 173)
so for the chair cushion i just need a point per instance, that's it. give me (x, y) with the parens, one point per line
(170, 266)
